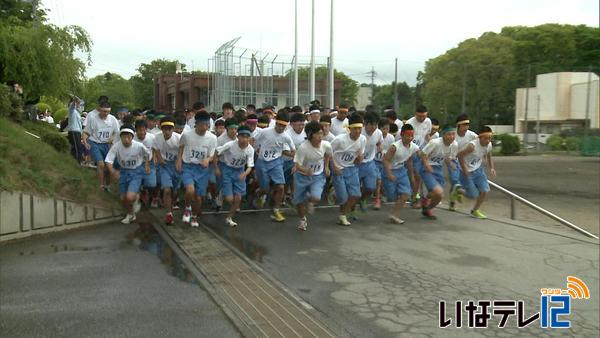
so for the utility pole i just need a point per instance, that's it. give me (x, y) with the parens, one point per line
(527, 105)
(396, 100)
(372, 72)
(312, 54)
(331, 97)
(587, 104)
(537, 126)
(295, 52)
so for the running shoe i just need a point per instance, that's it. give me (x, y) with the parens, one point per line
(396, 220)
(302, 224)
(278, 216)
(187, 215)
(428, 213)
(194, 223)
(128, 219)
(478, 214)
(261, 200)
(154, 203)
(169, 218)
(230, 222)
(343, 220)
(363, 206)
(377, 204)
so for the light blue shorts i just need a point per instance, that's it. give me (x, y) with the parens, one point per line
(169, 177)
(98, 151)
(475, 183)
(434, 178)
(368, 174)
(307, 185)
(401, 186)
(130, 180)
(230, 183)
(347, 184)
(269, 171)
(194, 174)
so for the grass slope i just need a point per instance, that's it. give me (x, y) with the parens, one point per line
(30, 165)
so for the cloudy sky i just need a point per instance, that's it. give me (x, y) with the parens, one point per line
(368, 34)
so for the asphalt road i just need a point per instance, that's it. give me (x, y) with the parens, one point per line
(92, 283)
(375, 279)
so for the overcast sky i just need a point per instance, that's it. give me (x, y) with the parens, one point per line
(368, 34)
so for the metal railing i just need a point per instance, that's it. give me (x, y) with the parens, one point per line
(513, 205)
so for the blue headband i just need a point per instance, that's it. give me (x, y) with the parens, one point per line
(207, 121)
(244, 132)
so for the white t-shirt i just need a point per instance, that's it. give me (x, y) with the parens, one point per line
(271, 144)
(197, 148)
(298, 139)
(129, 157)
(102, 131)
(475, 159)
(464, 140)
(437, 151)
(402, 153)
(371, 147)
(255, 132)
(232, 155)
(88, 116)
(155, 131)
(148, 142)
(338, 127)
(168, 148)
(313, 158)
(387, 142)
(345, 150)
(329, 137)
(421, 130)
(399, 123)
(223, 138)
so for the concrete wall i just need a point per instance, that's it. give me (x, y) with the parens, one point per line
(557, 97)
(23, 215)
(363, 98)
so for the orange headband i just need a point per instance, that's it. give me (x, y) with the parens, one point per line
(343, 110)
(487, 133)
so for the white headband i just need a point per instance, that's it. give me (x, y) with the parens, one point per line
(127, 130)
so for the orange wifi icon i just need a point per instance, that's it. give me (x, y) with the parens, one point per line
(577, 288)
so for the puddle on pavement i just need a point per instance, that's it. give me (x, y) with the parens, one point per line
(233, 237)
(146, 238)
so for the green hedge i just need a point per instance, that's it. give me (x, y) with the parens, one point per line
(510, 144)
(56, 140)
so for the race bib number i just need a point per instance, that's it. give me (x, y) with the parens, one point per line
(103, 135)
(436, 159)
(129, 163)
(316, 167)
(198, 154)
(237, 162)
(348, 157)
(170, 157)
(270, 154)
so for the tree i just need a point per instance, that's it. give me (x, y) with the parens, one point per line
(383, 97)
(490, 68)
(38, 55)
(118, 90)
(142, 82)
(349, 86)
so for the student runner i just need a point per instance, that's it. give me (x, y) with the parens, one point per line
(196, 150)
(473, 177)
(166, 147)
(312, 167)
(149, 181)
(367, 169)
(399, 173)
(133, 160)
(388, 139)
(348, 150)
(236, 163)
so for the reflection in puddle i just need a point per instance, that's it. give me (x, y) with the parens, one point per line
(248, 248)
(146, 238)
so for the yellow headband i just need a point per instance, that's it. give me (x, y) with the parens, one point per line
(263, 125)
(167, 123)
(356, 125)
(325, 123)
(284, 123)
(487, 133)
(463, 122)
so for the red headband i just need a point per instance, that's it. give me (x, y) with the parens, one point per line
(408, 133)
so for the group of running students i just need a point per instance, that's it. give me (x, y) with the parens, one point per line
(310, 156)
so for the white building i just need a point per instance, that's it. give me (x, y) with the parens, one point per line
(559, 100)
(363, 98)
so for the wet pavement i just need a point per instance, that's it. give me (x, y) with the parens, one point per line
(102, 281)
(375, 279)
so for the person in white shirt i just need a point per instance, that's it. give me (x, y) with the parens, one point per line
(314, 114)
(166, 148)
(131, 155)
(435, 154)
(348, 150)
(339, 123)
(388, 139)
(154, 124)
(196, 151)
(325, 122)
(312, 167)
(236, 160)
(150, 194)
(231, 127)
(270, 144)
(296, 131)
(422, 129)
(435, 129)
(367, 170)
(101, 131)
(399, 172)
(392, 118)
(190, 116)
(473, 178)
(463, 137)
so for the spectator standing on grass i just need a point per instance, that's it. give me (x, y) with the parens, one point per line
(75, 128)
